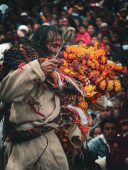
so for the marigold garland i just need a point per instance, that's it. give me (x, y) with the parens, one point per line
(82, 63)
(90, 67)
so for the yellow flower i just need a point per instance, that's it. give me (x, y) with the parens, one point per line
(110, 85)
(117, 86)
(83, 105)
(103, 85)
(90, 90)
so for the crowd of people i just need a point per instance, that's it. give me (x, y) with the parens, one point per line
(90, 20)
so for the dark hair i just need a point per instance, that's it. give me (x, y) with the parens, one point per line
(125, 105)
(123, 115)
(95, 36)
(82, 25)
(8, 30)
(33, 49)
(122, 142)
(98, 17)
(109, 120)
(105, 35)
(40, 37)
(121, 22)
(124, 123)
(44, 6)
(124, 87)
(97, 126)
(116, 74)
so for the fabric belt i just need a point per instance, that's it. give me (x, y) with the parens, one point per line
(25, 125)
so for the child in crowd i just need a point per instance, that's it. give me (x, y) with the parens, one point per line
(93, 40)
(82, 34)
(96, 131)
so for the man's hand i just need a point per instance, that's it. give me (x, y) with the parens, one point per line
(48, 66)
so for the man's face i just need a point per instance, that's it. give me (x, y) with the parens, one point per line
(118, 156)
(105, 113)
(53, 46)
(124, 129)
(109, 131)
(8, 35)
(98, 22)
(94, 120)
(116, 109)
(123, 94)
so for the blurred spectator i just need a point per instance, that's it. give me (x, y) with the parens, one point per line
(110, 53)
(88, 15)
(96, 131)
(85, 21)
(98, 23)
(60, 22)
(93, 40)
(24, 19)
(104, 15)
(82, 34)
(123, 116)
(104, 30)
(35, 18)
(124, 128)
(63, 27)
(48, 17)
(77, 22)
(107, 112)
(116, 106)
(123, 15)
(116, 160)
(63, 14)
(117, 77)
(114, 27)
(91, 30)
(7, 22)
(66, 22)
(44, 10)
(102, 143)
(116, 42)
(126, 79)
(122, 94)
(8, 37)
(105, 38)
(93, 116)
(122, 55)
(24, 29)
(122, 30)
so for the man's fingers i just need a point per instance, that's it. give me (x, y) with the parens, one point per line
(54, 61)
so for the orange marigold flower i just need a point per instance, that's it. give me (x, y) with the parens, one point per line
(102, 85)
(83, 62)
(83, 105)
(101, 68)
(84, 130)
(117, 85)
(110, 85)
(80, 99)
(104, 74)
(89, 63)
(92, 66)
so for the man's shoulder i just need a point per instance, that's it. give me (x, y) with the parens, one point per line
(96, 140)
